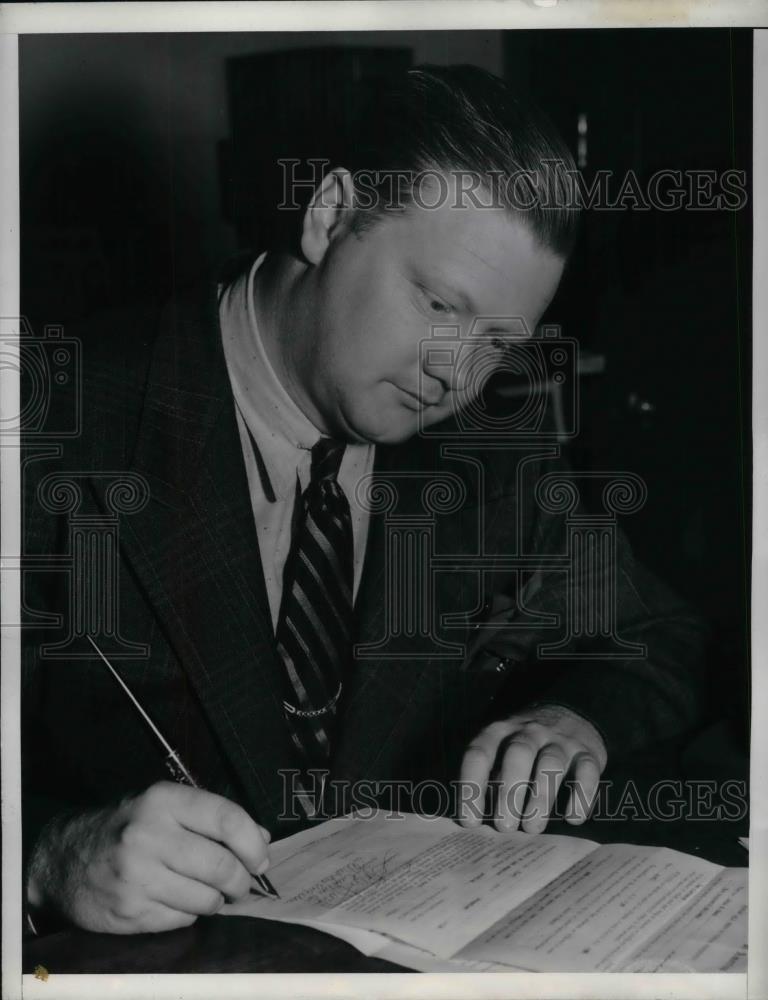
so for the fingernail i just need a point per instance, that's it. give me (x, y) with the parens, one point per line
(262, 867)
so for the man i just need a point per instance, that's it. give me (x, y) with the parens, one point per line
(262, 419)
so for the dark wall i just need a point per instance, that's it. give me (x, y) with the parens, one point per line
(664, 296)
(120, 139)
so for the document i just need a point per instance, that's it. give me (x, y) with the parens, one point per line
(432, 895)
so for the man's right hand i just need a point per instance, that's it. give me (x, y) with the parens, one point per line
(155, 862)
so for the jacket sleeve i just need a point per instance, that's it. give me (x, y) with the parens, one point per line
(42, 800)
(45, 795)
(588, 627)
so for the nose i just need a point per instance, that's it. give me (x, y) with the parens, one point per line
(432, 388)
(438, 374)
(451, 370)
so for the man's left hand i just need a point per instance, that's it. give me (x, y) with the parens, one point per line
(530, 754)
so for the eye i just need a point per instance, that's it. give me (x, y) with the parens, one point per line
(500, 346)
(437, 306)
(505, 345)
(434, 304)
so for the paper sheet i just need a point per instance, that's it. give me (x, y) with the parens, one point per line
(423, 961)
(427, 882)
(593, 916)
(432, 896)
(710, 935)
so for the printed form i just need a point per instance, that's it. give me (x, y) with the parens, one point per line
(429, 894)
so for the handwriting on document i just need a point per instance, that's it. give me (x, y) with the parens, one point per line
(430, 895)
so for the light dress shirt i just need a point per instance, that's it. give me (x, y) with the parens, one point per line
(277, 449)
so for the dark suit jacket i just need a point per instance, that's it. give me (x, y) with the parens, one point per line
(157, 402)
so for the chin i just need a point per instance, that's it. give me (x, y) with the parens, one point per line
(388, 436)
(392, 437)
(395, 432)
(378, 426)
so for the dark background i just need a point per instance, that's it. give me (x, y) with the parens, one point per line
(145, 162)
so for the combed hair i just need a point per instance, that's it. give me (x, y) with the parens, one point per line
(462, 118)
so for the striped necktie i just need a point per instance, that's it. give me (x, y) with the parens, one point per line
(314, 627)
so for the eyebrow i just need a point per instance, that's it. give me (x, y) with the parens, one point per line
(447, 285)
(456, 292)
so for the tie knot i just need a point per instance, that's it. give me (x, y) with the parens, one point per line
(326, 459)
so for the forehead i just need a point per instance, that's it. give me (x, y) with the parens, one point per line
(489, 255)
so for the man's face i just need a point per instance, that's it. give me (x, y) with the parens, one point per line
(377, 296)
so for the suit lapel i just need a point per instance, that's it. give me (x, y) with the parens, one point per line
(384, 703)
(195, 552)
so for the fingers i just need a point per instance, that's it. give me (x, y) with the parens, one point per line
(551, 766)
(475, 770)
(514, 779)
(156, 860)
(185, 895)
(166, 918)
(530, 759)
(196, 857)
(152, 918)
(218, 819)
(586, 780)
(126, 908)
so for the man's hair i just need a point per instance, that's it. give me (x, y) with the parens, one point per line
(462, 120)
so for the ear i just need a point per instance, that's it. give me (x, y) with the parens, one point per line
(327, 211)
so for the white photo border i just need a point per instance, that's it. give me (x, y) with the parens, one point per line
(378, 15)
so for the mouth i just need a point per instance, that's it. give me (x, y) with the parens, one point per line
(416, 401)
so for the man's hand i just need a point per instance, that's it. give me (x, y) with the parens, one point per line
(153, 863)
(529, 754)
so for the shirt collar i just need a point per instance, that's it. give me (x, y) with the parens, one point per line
(284, 434)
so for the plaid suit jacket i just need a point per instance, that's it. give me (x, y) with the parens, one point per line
(188, 586)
